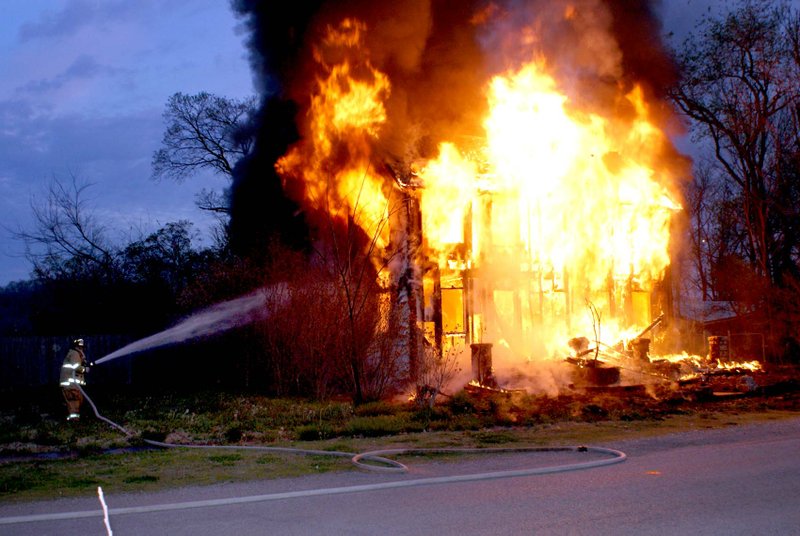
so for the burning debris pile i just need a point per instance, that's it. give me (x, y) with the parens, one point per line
(630, 362)
(510, 162)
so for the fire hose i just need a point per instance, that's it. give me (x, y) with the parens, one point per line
(378, 462)
(359, 459)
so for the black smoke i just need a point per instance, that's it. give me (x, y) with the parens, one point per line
(439, 55)
(260, 210)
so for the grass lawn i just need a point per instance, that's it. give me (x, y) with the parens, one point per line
(44, 457)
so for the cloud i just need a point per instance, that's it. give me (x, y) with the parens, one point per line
(112, 153)
(76, 15)
(29, 138)
(35, 146)
(18, 133)
(83, 68)
(84, 93)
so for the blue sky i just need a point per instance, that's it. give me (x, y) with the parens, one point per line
(82, 93)
(83, 89)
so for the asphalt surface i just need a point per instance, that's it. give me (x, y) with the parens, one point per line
(739, 480)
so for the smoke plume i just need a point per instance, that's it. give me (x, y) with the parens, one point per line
(438, 56)
(429, 65)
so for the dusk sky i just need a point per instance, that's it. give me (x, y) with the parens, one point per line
(83, 91)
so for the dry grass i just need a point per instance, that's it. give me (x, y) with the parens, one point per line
(466, 419)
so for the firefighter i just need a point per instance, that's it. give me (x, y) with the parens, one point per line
(72, 377)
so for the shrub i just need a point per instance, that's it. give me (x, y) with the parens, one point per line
(382, 425)
(225, 459)
(315, 432)
(233, 434)
(153, 434)
(494, 438)
(373, 409)
(461, 403)
(463, 422)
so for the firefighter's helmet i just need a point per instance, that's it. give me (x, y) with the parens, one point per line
(78, 343)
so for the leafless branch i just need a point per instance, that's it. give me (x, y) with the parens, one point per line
(65, 228)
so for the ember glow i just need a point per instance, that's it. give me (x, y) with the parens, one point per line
(559, 196)
(694, 364)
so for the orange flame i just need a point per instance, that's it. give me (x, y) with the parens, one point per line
(346, 112)
(695, 365)
(560, 204)
(575, 195)
(449, 189)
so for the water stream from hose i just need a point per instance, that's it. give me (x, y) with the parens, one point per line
(215, 319)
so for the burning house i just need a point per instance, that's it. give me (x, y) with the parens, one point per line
(510, 162)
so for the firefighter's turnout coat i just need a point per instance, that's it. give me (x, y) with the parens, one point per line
(72, 376)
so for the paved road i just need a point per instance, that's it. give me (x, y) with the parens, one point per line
(741, 480)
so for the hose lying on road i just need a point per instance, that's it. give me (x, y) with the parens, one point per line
(379, 463)
(387, 465)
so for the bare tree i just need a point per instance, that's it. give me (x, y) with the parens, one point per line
(302, 335)
(741, 90)
(331, 327)
(204, 132)
(66, 232)
(700, 198)
(353, 258)
(717, 231)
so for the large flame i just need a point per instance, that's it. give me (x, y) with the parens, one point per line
(575, 199)
(346, 113)
(560, 205)
(449, 190)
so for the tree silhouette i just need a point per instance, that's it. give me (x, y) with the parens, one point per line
(204, 132)
(741, 89)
